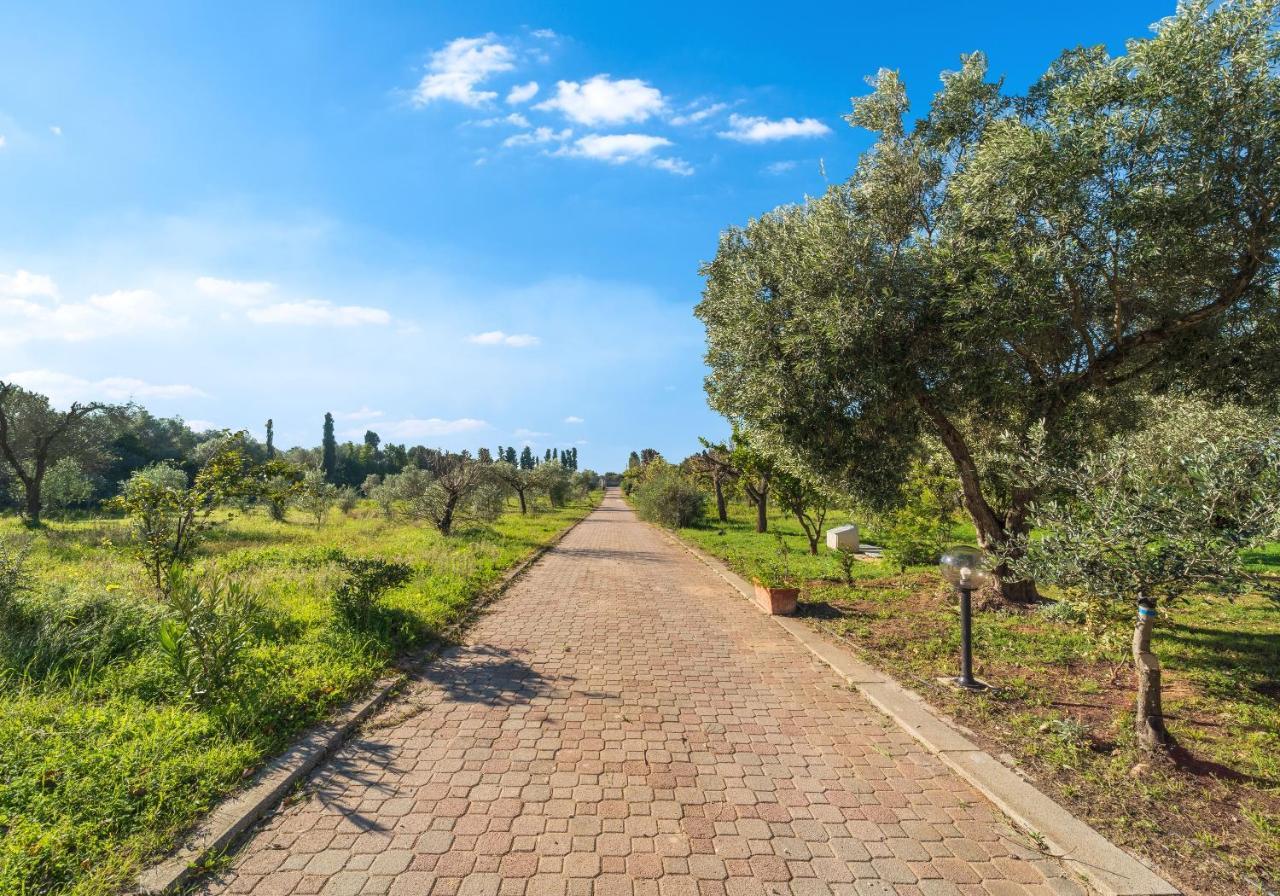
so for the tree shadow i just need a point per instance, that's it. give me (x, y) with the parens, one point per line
(819, 609)
(614, 554)
(484, 674)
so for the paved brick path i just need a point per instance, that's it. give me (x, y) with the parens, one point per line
(622, 723)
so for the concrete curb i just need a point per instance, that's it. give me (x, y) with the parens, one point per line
(1107, 868)
(233, 817)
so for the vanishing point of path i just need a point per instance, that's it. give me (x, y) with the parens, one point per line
(623, 723)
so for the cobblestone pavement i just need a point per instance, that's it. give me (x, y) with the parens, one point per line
(623, 723)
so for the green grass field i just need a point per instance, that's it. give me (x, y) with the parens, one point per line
(1210, 817)
(103, 765)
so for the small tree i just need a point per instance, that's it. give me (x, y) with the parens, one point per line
(1158, 515)
(714, 465)
(807, 501)
(516, 479)
(316, 495)
(170, 516)
(554, 481)
(34, 437)
(348, 499)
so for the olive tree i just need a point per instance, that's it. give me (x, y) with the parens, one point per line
(35, 436)
(514, 478)
(1014, 261)
(1156, 515)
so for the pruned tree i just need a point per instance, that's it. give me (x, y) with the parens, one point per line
(515, 479)
(1157, 515)
(34, 436)
(713, 464)
(1011, 260)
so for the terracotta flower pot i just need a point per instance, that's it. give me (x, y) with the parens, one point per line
(776, 601)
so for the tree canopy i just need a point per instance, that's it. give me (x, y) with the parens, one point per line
(1015, 261)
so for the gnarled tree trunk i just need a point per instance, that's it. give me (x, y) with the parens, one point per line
(1149, 722)
(722, 511)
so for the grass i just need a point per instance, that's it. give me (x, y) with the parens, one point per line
(1209, 816)
(103, 765)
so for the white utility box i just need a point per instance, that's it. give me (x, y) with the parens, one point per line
(843, 538)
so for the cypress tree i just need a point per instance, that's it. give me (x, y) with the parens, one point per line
(271, 440)
(329, 445)
(526, 459)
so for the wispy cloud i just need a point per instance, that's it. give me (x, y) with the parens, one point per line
(757, 129)
(572, 419)
(603, 101)
(523, 433)
(30, 309)
(620, 149)
(318, 313)
(537, 137)
(522, 93)
(235, 292)
(512, 340)
(363, 413)
(455, 72)
(698, 114)
(780, 167)
(64, 388)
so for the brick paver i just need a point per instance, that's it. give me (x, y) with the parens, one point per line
(623, 723)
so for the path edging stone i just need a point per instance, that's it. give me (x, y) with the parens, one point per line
(1105, 866)
(224, 826)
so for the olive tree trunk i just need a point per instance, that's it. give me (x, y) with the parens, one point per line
(722, 511)
(1149, 722)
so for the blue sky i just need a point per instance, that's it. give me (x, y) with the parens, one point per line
(456, 224)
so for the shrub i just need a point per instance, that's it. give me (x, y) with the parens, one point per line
(316, 495)
(348, 499)
(666, 496)
(367, 579)
(209, 627)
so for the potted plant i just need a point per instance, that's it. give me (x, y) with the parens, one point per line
(777, 586)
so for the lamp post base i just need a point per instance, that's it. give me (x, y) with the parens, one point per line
(960, 684)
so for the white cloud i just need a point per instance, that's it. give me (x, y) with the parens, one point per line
(619, 149)
(55, 130)
(497, 337)
(30, 310)
(3, 141)
(417, 428)
(572, 419)
(529, 434)
(602, 100)
(697, 115)
(25, 284)
(241, 293)
(538, 136)
(63, 388)
(616, 148)
(363, 413)
(455, 71)
(517, 119)
(522, 93)
(674, 165)
(779, 167)
(545, 34)
(314, 312)
(757, 129)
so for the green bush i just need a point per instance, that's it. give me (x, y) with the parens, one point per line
(355, 600)
(666, 496)
(210, 627)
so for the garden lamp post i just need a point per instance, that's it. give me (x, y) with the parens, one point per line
(964, 567)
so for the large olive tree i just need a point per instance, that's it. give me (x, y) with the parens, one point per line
(1011, 261)
(35, 437)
